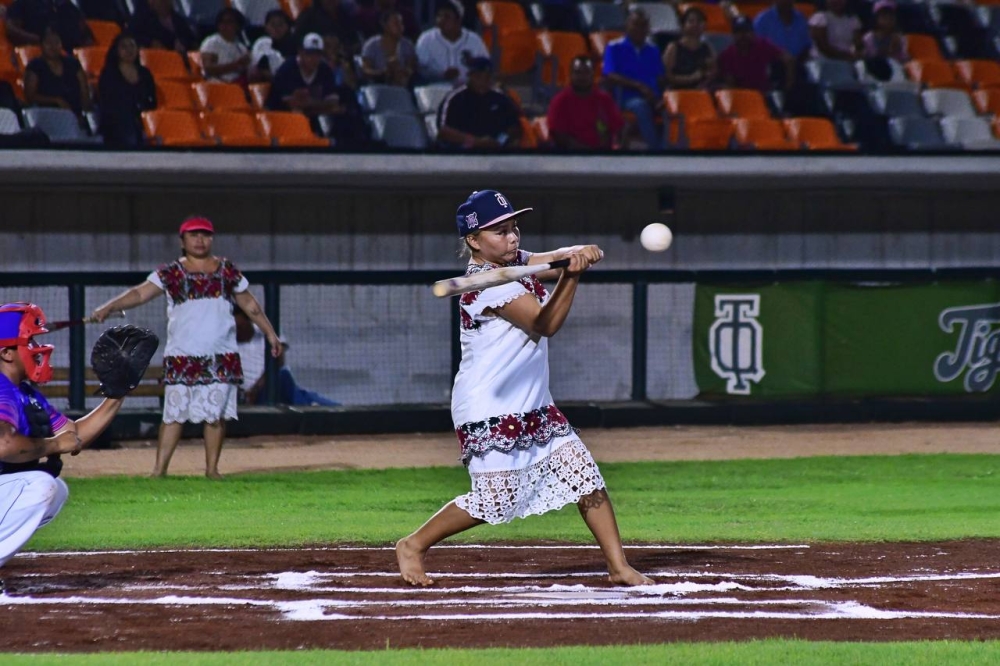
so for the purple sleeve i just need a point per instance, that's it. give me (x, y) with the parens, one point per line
(10, 406)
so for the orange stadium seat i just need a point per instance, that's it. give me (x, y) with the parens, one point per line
(194, 63)
(169, 127)
(557, 49)
(708, 134)
(752, 9)
(259, 93)
(529, 139)
(233, 128)
(26, 54)
(978, 73)
(289, 129)
(923, 47)
(165, 64)
(762, 134)
(9, 71)
(742, 103)
(174, 95)
(515, 51)
(987, 101)
(218, 96)
(716, 18)
(3, 32)
(692, 104)
(934, 73)
(501, 17)
(92, 60)
(104, 31)
(599, 41)
(807, 9)
(815, 134)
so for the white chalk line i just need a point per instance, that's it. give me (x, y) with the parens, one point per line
(79, 553)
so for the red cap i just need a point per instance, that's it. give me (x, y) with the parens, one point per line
(197, 224)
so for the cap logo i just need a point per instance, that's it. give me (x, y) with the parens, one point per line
(472, 220)
(501, 200)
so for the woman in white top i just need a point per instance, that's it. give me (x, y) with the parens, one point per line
(223, 56)
(201, 362)
(835, 33)
(521, 452)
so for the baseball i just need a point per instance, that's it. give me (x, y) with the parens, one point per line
(656, 237)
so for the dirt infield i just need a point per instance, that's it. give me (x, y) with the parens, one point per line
(510, 595)
(535, 595)
(261, 454)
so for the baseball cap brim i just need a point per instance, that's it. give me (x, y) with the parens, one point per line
(504, 218)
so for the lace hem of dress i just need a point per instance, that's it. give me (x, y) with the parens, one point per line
(563, 477)
(508, 432)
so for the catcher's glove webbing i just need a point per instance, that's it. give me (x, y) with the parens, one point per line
(120, 358)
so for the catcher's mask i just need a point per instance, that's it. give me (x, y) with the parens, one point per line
(19, 323)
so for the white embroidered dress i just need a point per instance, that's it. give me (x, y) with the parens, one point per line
(521, 452)
(201, 363)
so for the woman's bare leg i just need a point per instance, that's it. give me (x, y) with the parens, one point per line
(599, 515)
(170, 435)
(215, 434)
(410, 550)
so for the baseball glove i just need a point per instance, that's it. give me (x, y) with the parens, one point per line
(120, 358)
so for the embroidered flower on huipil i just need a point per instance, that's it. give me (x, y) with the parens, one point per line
(508, 432)
(201, 370)
(182, 286)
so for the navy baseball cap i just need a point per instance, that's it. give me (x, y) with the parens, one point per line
(484, 209)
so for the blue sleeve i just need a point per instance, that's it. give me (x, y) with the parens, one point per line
(609, 61)
(10, 406)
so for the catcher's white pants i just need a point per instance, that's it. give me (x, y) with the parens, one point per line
(28, 500)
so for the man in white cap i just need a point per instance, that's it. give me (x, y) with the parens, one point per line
(306, 83)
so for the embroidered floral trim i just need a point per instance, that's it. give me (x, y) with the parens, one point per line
(511, 431)
(202, 370)
(531, 284)
(182, 286)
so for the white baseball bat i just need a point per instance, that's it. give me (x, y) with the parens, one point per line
(479, 281)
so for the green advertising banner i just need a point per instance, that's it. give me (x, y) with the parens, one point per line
(814, 338)
(762, 341)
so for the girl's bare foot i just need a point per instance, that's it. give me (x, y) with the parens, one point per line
(411, 564)
(629, 576)
(215, 476)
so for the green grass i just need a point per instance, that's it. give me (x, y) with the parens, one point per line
(753, 653)
(894, 498)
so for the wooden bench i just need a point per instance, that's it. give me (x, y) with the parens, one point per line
(58, 387)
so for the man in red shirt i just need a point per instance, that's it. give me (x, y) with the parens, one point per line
(745, 63)
(583, 117)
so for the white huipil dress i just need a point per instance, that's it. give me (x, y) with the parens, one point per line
(521, 452)
(201, 362)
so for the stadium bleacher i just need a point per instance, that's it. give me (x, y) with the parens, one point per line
(946, 97)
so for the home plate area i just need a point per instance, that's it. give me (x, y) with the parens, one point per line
(351, 597)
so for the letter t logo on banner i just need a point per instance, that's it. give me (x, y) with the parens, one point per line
(735, 341)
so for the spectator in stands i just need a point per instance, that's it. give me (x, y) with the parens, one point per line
(54, 79)
(330, 17)
(582, 116)
(369, 18)
(390, 57)
(884, 39)
(690, 61)
(305, 83)
(125, 90)
(162, 27)
(785, 27)
(271, 49)
(835, 33)
(444, 51)
(747, 61)
(223, 56)
(478, 116)
(252, 347)
(635, 67)
(28, 19)
(343, 68)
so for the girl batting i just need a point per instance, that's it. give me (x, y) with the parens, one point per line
(521, 452)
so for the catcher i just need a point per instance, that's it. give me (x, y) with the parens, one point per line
(31, 492)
